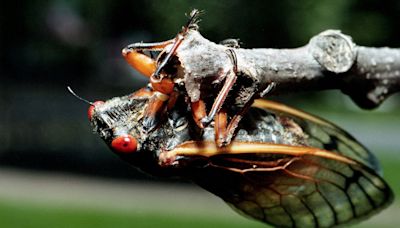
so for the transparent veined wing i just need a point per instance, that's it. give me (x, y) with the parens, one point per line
(326, 180)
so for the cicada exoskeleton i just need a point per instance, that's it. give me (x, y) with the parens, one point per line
(284, 167)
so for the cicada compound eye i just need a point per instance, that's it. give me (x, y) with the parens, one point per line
(92, 107)
(124, 144)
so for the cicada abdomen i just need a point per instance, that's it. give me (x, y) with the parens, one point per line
(284, 167)
(289, 169)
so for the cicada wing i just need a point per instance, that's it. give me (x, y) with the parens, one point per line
(323, 134)
(288, 186)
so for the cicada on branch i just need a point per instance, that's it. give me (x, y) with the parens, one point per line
(223, 77)
(284, 167)
(278, 165)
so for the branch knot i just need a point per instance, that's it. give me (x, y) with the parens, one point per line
(333, 50)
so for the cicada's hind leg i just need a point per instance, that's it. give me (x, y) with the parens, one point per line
(225, 138)
(228, 84)
(134, 55)
(220, 127)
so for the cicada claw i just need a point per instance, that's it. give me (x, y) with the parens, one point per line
(206, 120)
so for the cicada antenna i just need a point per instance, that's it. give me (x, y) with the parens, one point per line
(190, 24)
(80, 98)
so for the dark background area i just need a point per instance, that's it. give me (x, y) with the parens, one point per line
(46, 46)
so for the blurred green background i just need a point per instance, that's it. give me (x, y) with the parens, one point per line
(55, 173)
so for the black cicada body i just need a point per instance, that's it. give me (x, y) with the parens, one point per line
(284, 167)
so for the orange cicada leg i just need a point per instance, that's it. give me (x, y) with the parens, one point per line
(138, 60)
(172, 100)
(164, 89)
(148, 66)
(143, 92)
(162, 84)
(199, 112)
(141, 62)
(220, 127)
(159, 103)
(154, 111)
(233, 124)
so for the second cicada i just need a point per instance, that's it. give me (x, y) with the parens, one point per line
(284, 167)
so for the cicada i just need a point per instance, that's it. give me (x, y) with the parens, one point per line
(284, 167)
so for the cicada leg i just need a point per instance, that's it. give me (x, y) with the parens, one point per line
(164, 86)
(154, 111)
(224, 132)
(143, 92)
(147, 66)
(198, 112)
(134, 55)
(159, 103)
(220, 127)
(228, 84)
(224, 137)
(172, 100)
(233, 124)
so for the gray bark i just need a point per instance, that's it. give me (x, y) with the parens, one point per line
(329, 61)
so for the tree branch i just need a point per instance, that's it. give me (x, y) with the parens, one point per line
(329, 61)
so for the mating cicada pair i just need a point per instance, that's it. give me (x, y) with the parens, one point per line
(271, 162)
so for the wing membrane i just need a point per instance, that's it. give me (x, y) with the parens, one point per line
(323, 134)
(314, 189)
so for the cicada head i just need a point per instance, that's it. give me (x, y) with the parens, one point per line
(118, 122)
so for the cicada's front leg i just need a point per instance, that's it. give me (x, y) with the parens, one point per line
(161, 82)
(163, 99)
(148, 66)
(134, 55)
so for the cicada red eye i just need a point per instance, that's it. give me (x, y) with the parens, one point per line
(124, 144)
(91, 108)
